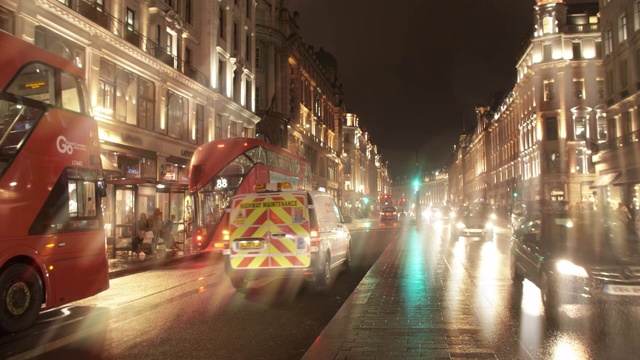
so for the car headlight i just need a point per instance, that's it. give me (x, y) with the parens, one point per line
(488, 225)
(493, 216)
(460, 225)
(566, 267)
(452, 214)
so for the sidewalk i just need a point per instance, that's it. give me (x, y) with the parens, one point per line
(402, 309)
(123, 264)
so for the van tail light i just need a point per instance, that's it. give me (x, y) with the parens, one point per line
(225, 235)
(315, 240)
(199, 238)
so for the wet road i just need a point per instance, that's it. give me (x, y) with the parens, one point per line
(191, 311)
(511, 318)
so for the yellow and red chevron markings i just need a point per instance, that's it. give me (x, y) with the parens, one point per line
(257, 217)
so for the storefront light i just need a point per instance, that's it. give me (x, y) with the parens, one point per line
(160, 186)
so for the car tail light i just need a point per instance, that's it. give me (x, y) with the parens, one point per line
(225, 234)
(315, 240)
(199, 238)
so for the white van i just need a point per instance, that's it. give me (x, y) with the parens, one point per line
(280, 232)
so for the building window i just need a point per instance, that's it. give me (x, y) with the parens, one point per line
(551, 128)
(248, 6)
(233, 132)
(577, 50)
(187, 11)
(126, 94)
(247, 94)
(578, 88)
(627, 122)
(598, 49)
(221, 22)
(547, 51)
(177, 115)
(247, 47)
(636, 15)
(622, 28)
(548, 25)
(235, 36)
(256, 98)
(580, 127)
(600, 88)
(130, 19)
(222, 79)
(609, 79)
(258, 65)
(548, 89)
(624, 75)
(218, 124)
(199, 124)
(608, 42)
(146, 104)
(106, 91)
(601, 123)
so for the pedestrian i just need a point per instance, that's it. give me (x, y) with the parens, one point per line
(154, 223)
(167, 233)
(139, 234)
(622, 213)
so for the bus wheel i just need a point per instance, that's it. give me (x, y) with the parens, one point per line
(22, 295)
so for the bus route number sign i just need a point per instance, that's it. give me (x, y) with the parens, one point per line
(222, 183)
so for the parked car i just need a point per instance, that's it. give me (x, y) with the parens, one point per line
(389, 216)
(577, 257)
(474, 220)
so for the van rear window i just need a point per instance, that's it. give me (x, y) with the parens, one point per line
(313, 219)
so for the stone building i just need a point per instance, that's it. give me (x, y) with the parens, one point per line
(163, 76)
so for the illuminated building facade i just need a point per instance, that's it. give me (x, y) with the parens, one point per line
(298, 95)
(617, 150)
(537, 143)
(163, 76)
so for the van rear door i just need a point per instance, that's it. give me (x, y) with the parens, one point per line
(270, 230)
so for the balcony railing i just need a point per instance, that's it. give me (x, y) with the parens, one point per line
(622, 141)
(122, 30)
(582, 28)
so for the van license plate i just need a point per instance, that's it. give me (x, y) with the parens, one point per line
(628, 290)
(250, 245)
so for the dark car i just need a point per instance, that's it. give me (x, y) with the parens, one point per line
(389, 216)
(576, 257)
(474, 220)
(522, 208)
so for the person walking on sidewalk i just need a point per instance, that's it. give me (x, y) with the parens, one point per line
(154, 222)
(139, 233)
(167, 233)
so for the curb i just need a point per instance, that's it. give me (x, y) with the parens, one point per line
(155, 264)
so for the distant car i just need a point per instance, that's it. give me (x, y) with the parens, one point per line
(576, 257)
(389, 216)
(442, 213)
(522, 208)
(474, 220)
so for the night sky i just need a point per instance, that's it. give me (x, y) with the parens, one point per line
(414, 70)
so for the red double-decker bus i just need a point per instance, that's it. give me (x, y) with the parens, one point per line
(223, 168)
(52, 242)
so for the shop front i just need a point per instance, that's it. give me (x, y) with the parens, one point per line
(135, 188)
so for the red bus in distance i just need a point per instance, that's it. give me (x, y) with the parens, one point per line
(52, 241)
(223, 168)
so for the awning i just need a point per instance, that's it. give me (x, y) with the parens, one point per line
(107, 165)
(629, 176)
(604, 179)
(177, 160)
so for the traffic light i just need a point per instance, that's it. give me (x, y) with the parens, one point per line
(416, 184)
(365, 200)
